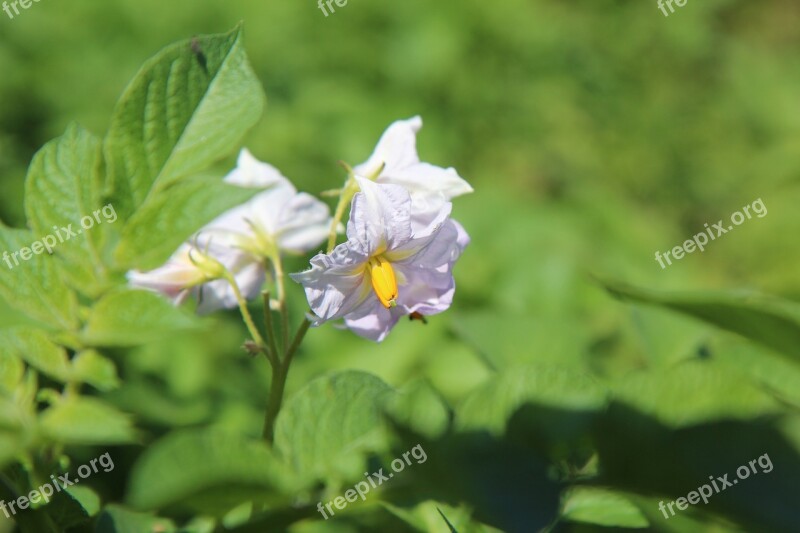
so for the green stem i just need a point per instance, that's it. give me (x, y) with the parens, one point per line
(272, 348)
(278, 386)
(276, 262)
(298, 339)
(248, 319)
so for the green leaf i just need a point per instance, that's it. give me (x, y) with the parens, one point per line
(92, 368)
(171, 216)
(132, 317)
(505, 339)
(86, 421)
(86, 497)
(326, 427)
(419, 407)
(550, 408)
(492, 405)
(502, 482)
(117, 519)
(34, 286)
(10, 447)
(658, 459)
(694, 392)
(206, 470)
(189, 106)
(11, 370)
(73, 505)
(35, 348)
(772, 322)
(775, 374)
(449, 525)
(64, 185)
(602, 507)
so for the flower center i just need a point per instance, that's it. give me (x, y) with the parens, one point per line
(383, 281)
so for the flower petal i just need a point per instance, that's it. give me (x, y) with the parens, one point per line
(380, 217)
(397, 148)
(426, 291)
(373, 321)
(304, 224)
(424, 179)
(436, 246)
(335, 285)
(172, 278)
(250, 172)
(219, 294)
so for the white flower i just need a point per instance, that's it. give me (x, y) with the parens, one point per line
(385, 269)
(250, 172)
(190, 271)
(395, 161)
(241, 241)
(277, 220)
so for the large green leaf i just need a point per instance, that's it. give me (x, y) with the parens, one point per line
(11, 370)
(207, 470)
(132, 317)
(170, 216)
(418, 406)
(34, 286)
(549, 408)
(776, 374)
(10, 446)
(73, 505)
(87, 421)
(492, 405)
(505, 339)
(64, 185)
(188, 106)
(117, 519)
(602, 507)
(660, 460)
(501, 480)
(694, 392)
(35, 348)
(326, 427)
(92, 368)
(773, 322)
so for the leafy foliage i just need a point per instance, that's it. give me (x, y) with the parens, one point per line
(541, 403)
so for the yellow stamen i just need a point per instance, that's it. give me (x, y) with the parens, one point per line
(383, 281)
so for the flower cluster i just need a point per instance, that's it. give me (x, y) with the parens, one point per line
(401, 242)
(227, 260)
(397, 260)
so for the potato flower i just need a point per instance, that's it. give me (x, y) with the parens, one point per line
(395, 161)
(278, 220)
(385, 269)
(202, 274)
(241, 241)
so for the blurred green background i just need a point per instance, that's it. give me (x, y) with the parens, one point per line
(595, 133)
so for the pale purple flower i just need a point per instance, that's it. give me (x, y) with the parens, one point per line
(386, 269)
(278, 220)
(200, 273)
(395, 161)
(241, 241)
(250, 172)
